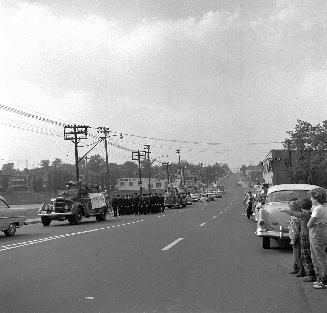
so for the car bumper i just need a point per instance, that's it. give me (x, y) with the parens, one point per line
(55, 214)
(282, 233)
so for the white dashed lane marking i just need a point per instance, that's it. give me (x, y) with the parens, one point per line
(202, 224)
(214, 216)
(172, 244)
(32, 242)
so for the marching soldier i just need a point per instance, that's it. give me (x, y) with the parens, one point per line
(135, 204)
(114, 203)
(162, 203)
(156, 203)
(119, 204)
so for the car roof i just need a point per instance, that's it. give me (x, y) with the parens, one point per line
(291, 187)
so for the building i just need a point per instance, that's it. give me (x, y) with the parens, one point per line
(281, 166)
(131, 185)
(11, 183)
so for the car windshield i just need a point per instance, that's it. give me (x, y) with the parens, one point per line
(287, 195)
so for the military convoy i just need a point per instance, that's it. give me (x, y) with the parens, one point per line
(78, 200)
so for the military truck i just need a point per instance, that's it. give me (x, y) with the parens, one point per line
(78, 200)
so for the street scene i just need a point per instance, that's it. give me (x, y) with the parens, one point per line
(163, 156)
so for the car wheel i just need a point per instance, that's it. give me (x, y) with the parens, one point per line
(45, 220)
(77, 217)
(265, 242)
(11, 230)
(102, 216)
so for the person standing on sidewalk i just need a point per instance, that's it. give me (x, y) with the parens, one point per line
(317, 226)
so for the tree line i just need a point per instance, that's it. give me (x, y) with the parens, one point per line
(311, 143)
(52, 175)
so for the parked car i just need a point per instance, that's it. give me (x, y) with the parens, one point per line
(10, 219)
(210, 196)
(194, 198)
(272, 222)
(204, 197)
(189, 199)
(73, 203)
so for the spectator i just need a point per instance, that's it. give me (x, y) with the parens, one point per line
(304, 217)
(294, 231)
(317, 226)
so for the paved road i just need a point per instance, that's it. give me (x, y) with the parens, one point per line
(204, 258)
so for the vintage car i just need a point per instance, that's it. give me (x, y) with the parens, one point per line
(78, 200)
(189, 199)
(10, 219)
(271, 221)
(220, 191)
(194, 197)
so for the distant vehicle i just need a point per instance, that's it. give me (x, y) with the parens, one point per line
(272, 222)
(204, 197)
(194, 198)
(173, 199)
(210, 196)
(73, 203)
(9, 219)
(189, 199)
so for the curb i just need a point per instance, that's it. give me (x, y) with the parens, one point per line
(33, 221)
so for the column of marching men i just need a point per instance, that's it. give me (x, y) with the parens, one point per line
(136, 204)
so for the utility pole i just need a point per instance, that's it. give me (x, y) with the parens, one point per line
(147, 148)
(136, 156)
(178, 151)
(75, 133)
(106, 131)
(167, 164)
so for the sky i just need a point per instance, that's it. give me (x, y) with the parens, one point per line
(231, 75)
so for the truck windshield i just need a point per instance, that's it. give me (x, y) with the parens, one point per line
(71, 193)
(287, 195)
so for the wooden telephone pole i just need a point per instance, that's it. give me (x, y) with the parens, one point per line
(136, 156)
(147, 148)
(106, 131)
(75, 133)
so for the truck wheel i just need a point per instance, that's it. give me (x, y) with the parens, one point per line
(11, 230)
(77, 217)
(45, 220)
(265, 242)
(102, 216)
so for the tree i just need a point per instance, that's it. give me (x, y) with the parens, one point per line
(96, 163)
(56, 163)
(45, 164)
(305, 138)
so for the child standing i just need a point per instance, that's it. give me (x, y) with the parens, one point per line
(304, 217)
(294, 232)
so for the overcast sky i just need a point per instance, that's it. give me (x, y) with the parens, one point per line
(232, 72)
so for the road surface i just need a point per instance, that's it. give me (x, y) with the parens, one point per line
(202, 258)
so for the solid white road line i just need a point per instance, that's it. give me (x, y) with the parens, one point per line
(202, 224)
(172, 244)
